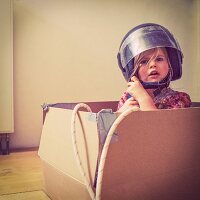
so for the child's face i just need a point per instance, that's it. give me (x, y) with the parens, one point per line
(153, 65)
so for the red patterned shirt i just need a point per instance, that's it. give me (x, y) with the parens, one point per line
(165, 99)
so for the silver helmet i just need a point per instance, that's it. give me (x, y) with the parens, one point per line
(144, 37)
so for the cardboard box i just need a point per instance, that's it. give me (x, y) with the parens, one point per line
(153, 155)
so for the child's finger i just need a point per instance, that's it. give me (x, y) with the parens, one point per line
(134, 78)
(134, 103)
(131, 99)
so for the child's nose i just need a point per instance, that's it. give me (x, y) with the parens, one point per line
(152, 63)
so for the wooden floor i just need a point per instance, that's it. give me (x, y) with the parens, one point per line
(21, 177)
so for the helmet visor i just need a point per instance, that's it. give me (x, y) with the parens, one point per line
(144, 39)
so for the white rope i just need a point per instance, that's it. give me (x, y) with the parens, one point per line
(105, 149)
(74, 142)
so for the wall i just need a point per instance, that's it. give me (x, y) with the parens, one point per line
(196, 65)
(65, 51)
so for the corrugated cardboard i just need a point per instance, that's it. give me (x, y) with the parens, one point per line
(155, 155)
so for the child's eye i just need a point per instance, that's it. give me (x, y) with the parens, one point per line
(160, 59)
(143, 62)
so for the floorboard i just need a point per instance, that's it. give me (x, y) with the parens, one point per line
(21, 176)
(34, 195)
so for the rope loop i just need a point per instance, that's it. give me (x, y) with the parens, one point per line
(76, 152)
(104, 151)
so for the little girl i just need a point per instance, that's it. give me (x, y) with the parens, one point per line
(149, 58)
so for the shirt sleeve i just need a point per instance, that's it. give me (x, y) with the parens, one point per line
(122, 100)
(177, 100)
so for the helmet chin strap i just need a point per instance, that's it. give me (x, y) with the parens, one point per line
(157, 86)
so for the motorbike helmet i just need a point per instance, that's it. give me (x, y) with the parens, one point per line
(142, 38)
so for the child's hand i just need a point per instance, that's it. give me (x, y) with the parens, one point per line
(130, 103)
(136, 89)
(141, 96)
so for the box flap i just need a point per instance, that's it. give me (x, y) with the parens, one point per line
(156, 157)
(56, 142)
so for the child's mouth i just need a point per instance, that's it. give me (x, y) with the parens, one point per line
(154, 74)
